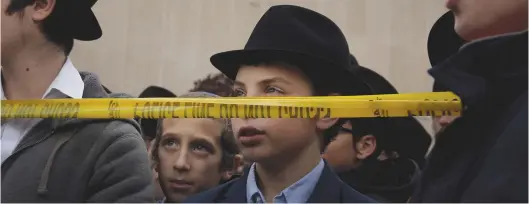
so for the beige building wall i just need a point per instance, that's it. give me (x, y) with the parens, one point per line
(169, 42)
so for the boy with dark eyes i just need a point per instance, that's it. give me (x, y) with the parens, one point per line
(292, 51)
(193, 155)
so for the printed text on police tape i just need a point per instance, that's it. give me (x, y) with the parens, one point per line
(161, 109)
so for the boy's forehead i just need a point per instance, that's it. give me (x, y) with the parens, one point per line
(270, 73)
(195, 127)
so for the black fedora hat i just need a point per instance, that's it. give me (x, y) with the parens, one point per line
(88, 27)
(404, 135)
(156, 92)
(294, 35)
(376, 83)
(443, 42)
(81, 22)
(149, 126)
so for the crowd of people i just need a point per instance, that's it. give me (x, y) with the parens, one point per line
(477, 50)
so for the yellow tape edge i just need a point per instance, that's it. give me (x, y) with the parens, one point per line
(395, 105)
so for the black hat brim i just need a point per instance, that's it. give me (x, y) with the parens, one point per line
(86, 26)
(377, 82)
(156, 92)
(443, 40)
(89, 28)
(319, 71)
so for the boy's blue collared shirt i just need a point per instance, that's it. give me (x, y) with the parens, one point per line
(298, 192)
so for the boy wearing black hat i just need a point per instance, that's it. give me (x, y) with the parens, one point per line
(482, 155)
(379, 157)
(62, 160)
(292, 51)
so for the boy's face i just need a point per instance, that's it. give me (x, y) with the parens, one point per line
(346, 152)
(340, 153)
(190, 155)
(270, 139)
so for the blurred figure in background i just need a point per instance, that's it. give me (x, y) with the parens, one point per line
(442, 45)
(482, 155)
(379, 157)
(55, 160)
(148, 128)
(217, 84)
(193, 154)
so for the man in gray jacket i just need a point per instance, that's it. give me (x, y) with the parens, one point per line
(62, 160)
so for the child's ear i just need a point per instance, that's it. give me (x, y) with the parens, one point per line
(236, 169)
(42, 9)
(326, 123)
(365, 146)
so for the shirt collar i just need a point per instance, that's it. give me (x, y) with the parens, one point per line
(68, 82)
(299, 192)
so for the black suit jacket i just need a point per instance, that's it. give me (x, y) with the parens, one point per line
(329, 189)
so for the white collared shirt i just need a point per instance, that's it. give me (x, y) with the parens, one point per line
(67, 84)
(298, 192)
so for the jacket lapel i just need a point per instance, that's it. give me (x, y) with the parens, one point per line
(328, 188)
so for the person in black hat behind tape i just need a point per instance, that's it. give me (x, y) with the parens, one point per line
(442, 43)
(482, 155)
(380, 157)
(292, 51)
(54, 160)
(149, 127)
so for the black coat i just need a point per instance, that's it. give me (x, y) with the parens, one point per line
(329, 189)
(388, 181)
(482, 156)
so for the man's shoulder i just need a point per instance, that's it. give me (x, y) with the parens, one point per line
(210, 195)
(104, 133)
(111, 127)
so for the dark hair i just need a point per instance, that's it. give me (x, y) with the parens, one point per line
(54, 26)
(227, 140)
(217, 84)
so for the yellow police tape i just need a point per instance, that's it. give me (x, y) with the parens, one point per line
(394, 105)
